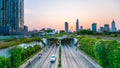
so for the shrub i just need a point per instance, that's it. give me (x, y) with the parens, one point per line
(4, 62)
(100, 53)
(87, 44)
(19, 55)
(107, 53)
(18, 41)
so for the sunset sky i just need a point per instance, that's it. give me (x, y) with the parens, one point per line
(53, 13)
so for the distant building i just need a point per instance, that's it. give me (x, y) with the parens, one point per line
(11, 17)
(106, 28)
(50, 31)
(113, 27)
(25, 28)
(66, 27)
(81, 27)
(94, 27)
(42, 32)
(101, 29)
(77, 25)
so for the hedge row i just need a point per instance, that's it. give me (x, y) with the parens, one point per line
(18, 56)
(18, 41)
(106, 53)
(59, 60)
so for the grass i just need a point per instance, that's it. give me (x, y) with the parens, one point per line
(105, 37)
(5, 44)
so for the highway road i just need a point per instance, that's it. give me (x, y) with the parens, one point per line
(72, 58)
(44, 61)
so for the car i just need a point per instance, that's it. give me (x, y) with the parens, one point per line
(29, 62)
(52, 58)
(40, 54)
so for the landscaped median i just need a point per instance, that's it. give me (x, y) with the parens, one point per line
(59, 60)
(105, 52)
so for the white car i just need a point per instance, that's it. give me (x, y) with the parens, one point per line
(52, 58)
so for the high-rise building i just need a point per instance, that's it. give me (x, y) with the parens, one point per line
(77, 25)
(113, 27)
(66, 27)
(81, 27)
(26, 28)
(101, 29)
(106, 28)
(94, 27)
(11, 16)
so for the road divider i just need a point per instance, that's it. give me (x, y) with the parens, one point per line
(59, 60)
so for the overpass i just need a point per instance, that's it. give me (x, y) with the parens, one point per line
(60, 40)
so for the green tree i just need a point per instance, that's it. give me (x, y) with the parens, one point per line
(4, 62)
(83, 32)
(16, 57)
(101, 53)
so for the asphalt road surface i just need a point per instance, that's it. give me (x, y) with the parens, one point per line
(72, 58)
(44, 61)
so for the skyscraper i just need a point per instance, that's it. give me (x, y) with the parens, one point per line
(94, 27)
(113, 27)
(101, 29)
(66, 27)
(77, 25)
(106, 28)
(81, 27)
(11, 16)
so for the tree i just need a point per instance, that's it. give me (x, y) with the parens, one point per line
(62, 32)
(16, 56)
(48, 31)
(101, 53)
(83, 32)
(4, 62)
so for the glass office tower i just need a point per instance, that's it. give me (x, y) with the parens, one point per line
(66, 27)
(11, 16)
(77, 25)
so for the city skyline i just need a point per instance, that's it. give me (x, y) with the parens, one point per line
(94, 28)
(45, 13)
